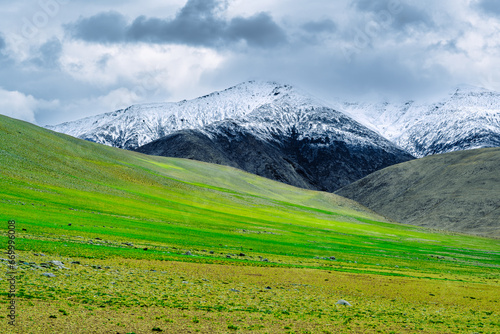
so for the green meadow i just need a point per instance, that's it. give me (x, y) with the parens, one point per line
(152, 244)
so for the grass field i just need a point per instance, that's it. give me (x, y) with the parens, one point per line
(153, 244)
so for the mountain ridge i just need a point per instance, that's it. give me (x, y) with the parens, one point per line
(143, 123)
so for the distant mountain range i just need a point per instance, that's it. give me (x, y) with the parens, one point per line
(466, 119)
(282, 133)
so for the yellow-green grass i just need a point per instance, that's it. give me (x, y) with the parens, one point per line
(172, 206)
(135, 296)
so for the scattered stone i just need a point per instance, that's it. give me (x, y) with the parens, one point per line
(212, 252)
(75, 262)
(333, 258)
(55, 263)
(24, 229)
(228, 256)
(343, 302)
(268, 288)
(188, 253)
(242, 254)
(265, 260)
(97, 238)
(69, 224)
(96, 267)
(185, 282)
(48, 275)
(234, 290)
(128, 244)
(145, 248)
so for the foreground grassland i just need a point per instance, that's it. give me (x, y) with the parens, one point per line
(153, 244)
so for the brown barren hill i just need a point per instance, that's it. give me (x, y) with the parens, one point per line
(457, 191)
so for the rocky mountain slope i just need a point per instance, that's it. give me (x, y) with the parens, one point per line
(466, 119)
(458, 191)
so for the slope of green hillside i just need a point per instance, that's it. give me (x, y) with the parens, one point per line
(184, 246)
(457, 191)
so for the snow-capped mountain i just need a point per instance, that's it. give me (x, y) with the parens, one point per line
(293, 139)
(265, 128)
(466, 119)
(141, 124)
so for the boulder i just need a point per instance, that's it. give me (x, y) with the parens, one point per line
(343, 302)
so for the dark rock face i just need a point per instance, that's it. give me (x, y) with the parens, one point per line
(325, 160)
(245, 152)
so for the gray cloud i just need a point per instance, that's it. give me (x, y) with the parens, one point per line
(447, 46)
(259, 30)
(401, 14)
(491, 7)
(326, 25)
(2, 43)
(198, 23)
(411, 17)
(371, 5)
(108, 27)
(49, 54)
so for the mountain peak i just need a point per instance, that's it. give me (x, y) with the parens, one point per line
(140, 124)
(466, 89)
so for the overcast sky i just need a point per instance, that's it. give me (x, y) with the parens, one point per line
(61, 60)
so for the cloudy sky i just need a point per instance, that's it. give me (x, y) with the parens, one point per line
(61, 60)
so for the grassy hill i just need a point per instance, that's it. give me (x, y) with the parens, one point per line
(457, 191)
(178, 245)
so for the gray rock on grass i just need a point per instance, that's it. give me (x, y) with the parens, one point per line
(343, 302)
(48, 275)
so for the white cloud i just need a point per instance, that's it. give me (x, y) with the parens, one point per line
(138, 67)
(17, 105)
